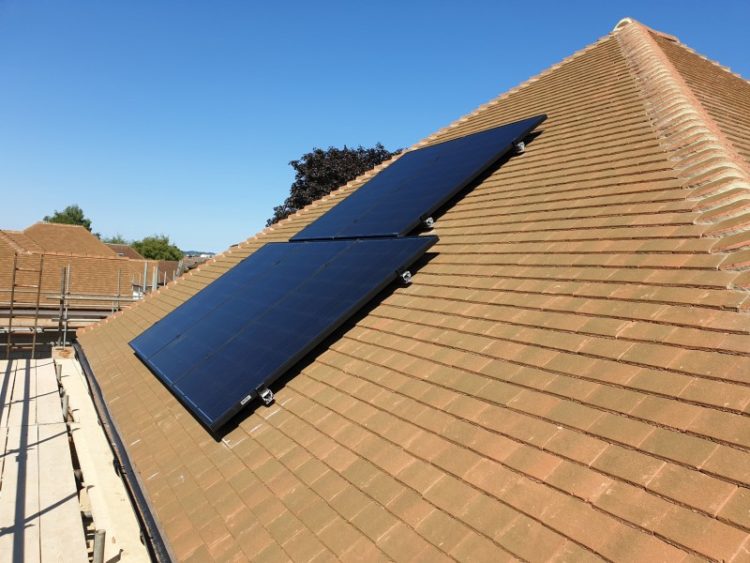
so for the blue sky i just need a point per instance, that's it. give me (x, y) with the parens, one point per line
(181, 117)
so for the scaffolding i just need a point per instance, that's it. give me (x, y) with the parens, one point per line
(11, 342)
(33, 313)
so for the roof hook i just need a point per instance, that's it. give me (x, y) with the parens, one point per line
(519, 147)
(266, 395)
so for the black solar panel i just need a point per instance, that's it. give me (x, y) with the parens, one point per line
(411, 189)
(256, 321)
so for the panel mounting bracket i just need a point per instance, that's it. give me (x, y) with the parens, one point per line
(519, 147)
(429, 223)
(266, 395)
(406, 277)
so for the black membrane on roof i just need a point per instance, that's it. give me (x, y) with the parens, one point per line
(410, 190)
(247, 328)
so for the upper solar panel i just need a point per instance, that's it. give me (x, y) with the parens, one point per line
(403, 195)
(243, 331)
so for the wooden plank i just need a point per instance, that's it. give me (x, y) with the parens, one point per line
(61, 528)
(48, 405)
(8, 478)
(22, 410)
(8, 374)
(19, 497)
(110, 504)
(8, 464)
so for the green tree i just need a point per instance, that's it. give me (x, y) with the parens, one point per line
(158, 247)
(71, 215)
(117, 238)
(320, 171)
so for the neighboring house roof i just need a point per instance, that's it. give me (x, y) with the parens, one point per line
(94, 268)
(125, 250)
(165, 267)
(168, 268)
(567, 377)
(18, 241)
(67, 239)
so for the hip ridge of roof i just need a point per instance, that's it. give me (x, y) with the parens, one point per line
(715, 176)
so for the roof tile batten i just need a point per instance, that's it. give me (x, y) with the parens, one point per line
(566, 378)
(716, 174)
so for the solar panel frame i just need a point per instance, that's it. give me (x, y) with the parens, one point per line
(401, 253)
(386, 202)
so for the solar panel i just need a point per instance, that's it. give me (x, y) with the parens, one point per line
(246, 329)
(410, 190)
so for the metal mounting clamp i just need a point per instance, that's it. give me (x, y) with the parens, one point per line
(266, 395)
(406, 277)
(429, 222)
(519, 147)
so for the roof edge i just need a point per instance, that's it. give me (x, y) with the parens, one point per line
(66, 225)
(716, 176)
(152, 534)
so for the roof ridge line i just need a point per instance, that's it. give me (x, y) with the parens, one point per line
(701, 154)
(55, 224)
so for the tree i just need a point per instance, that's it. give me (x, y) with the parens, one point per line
(157, 247)
(320, 171)
(71, 215)
(117, 238)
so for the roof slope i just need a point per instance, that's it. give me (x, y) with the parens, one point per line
(125, 250)
(67, 239)
(93, 271)
(725, 96)
(566, 379)
(17, 241)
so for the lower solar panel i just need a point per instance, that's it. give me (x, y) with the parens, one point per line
(245, 330)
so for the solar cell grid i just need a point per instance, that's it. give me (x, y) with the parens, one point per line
(257, 320)
(401, 196)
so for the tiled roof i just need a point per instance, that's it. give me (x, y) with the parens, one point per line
(67, 239)
(17, 241)
(89, 275)
(168, 268)
(567, 378)
(92, 271)
(125, 250)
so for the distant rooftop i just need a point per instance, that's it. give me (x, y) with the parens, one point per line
(125, 250)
